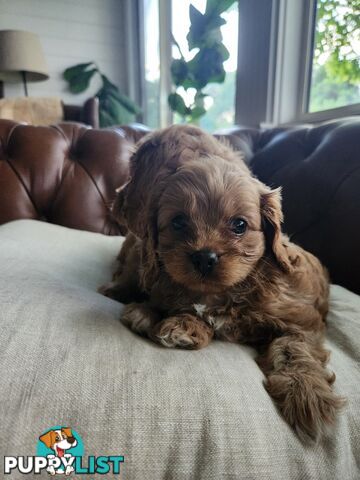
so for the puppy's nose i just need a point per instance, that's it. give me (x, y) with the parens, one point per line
(204, 261)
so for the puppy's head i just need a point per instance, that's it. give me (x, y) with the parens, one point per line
(201, 215)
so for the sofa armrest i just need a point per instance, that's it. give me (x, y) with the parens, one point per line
(87, 113)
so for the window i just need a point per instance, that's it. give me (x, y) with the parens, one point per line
(335, 79)
(287, 73)
(160, 26)
(298, 61)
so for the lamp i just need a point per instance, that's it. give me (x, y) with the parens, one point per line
(21, 53)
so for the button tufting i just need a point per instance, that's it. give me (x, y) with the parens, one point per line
(65, 174)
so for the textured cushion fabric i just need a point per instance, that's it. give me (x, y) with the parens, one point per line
(174, 414)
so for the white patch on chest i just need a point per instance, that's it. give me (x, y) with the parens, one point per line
(215, 322)
(199, 309)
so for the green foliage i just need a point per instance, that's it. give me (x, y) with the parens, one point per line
(221, 113)
(114, 107)
(207, 64)
(336, 80)
(327, 93)
(177, 104)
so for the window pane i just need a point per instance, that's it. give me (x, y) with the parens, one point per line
(152, 62)
(335, 78)
(220, 104)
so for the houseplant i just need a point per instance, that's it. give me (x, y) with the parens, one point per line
(114, 106)
(206, 66)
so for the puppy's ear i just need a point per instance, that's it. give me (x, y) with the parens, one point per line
(67, 431)
(132, 203)
(272, 216)
(118, 205)
(157, 157)
(136, 204)
(48, 439)
(149, 256)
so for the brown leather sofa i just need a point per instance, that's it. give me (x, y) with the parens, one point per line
(67, 175)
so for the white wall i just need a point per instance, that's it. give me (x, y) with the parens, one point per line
(71, 32)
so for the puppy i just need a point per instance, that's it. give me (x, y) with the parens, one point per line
(205, 258)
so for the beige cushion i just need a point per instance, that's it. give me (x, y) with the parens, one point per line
(66, 359)
(32, 110)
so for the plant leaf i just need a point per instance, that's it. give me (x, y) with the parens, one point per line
(205, 31)
(179, 71)
(216, 7)
(177, 104)
(81, 82)
(207, 66)
(76, 70)
(197, 112)
(125, 101)
(197, 27)
(110, 88)
(105, 119)
(115, 109)
(107, 84)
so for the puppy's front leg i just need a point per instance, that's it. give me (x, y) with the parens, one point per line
(182, 331)
(296, 378)
(140, 318)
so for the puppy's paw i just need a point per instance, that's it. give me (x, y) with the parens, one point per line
(139, 317)
(306, 401)
(182, 331)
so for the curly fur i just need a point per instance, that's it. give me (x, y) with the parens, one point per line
(264, 291)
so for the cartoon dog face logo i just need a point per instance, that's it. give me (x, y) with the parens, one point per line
(59, 441)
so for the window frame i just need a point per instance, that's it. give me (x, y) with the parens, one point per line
(275, 64)
(294, 48)
(132, 22)
(165, 46)
(165, 43)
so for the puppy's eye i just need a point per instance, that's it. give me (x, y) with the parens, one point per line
(179, 222)
(238, 226)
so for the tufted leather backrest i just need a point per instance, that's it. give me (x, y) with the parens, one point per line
(318, 168)
(66, 174)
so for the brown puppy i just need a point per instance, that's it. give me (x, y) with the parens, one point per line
(206, 258)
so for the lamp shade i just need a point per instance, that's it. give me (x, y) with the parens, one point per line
(21, 52)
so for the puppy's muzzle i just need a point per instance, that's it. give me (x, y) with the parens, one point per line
(204, 261)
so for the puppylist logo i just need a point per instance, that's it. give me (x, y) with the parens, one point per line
(60, 451)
